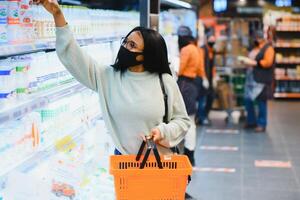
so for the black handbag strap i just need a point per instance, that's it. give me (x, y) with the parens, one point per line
(150, 146)
(165, 118)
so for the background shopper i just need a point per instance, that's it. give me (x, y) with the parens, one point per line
(206, 97)
(262, 65)
(188, 70)
(130, 94)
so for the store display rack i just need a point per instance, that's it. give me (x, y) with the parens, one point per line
(39, 100)
(287, 78)
(42, 154)
(287, 42)
(20, 49)
(287, 95)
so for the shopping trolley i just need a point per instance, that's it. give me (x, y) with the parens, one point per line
(154, 178)
(230, 90)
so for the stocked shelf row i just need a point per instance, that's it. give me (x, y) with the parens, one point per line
(49, 150)
(288, 62)
(288, 29)
(19, 49)
(287, 95)
(287, 45)
(37, 101)
(287, 78)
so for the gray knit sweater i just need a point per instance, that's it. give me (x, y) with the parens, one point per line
(132, 103)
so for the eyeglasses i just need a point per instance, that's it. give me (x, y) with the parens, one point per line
(128, 44)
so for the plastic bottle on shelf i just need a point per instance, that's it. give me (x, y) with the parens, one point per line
(37, 21)
(22, 66)
(3, 22)
(35, 71)
(7, 86)
(26, 21)
(13, 28)
(5, 146)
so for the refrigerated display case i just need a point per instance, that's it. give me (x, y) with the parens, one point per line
(53, 140)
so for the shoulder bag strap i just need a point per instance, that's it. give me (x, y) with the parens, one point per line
(165, 118)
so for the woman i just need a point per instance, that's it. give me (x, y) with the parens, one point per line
(130, 94)
(188, 71)
(206, 97)
(259, 82)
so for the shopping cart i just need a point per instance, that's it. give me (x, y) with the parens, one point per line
(230, 90)
(154, 178)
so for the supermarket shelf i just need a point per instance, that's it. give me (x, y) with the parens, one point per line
(287, 46)
(288, 30)
(18, 49)
(287, 95)
(38, 100)
(288, 63)
(286, 78)
(46, 152)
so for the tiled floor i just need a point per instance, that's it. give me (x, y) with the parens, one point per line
(232, 175)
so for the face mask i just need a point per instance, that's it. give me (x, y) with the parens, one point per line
(126, 58)
(211, 44)
(256, 43)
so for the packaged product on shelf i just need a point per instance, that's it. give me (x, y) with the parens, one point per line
(298, 71)
(43, 23)
(292, 73)
(22, 66)
(34, 71)
(26, 21)
(13, 16)
(279, 72)
(47, 72)
(7, 80)
(3, 22)
(18, 140)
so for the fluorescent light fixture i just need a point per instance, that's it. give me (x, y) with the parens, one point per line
(75, 2)
(283, 3)
(179, 3)
(220, 5)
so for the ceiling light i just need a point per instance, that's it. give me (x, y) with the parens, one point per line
(178, 3)
(261, 2)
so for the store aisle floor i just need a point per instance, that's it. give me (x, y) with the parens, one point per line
(235, 164)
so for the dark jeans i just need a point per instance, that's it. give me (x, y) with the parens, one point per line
(252, 118)
(201, 114)
(204, 106)
(189, 93)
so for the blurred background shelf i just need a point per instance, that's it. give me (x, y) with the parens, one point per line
(287, 95)
(286, 78)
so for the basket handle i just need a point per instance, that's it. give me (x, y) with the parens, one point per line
(150, 146)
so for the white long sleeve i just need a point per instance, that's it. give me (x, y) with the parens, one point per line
(131, 103)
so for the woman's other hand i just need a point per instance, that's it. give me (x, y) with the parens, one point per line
(156, 135)
(51, 6)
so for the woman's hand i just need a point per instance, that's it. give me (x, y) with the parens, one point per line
(51, 6)
(156, 135)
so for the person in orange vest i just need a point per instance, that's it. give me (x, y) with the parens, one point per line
(188, 71)
(262, 67)
(206, 95)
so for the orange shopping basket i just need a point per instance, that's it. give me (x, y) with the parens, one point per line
(155, 178)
